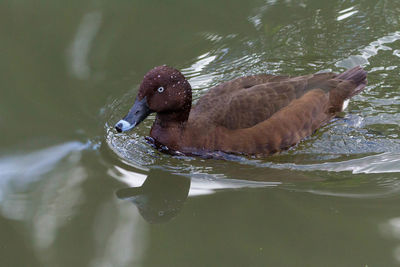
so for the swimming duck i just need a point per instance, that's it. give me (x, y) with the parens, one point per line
(254, 115)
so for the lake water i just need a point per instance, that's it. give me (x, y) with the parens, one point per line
(73, 192)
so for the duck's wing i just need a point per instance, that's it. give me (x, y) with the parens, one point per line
(209, 107)
(246, 101)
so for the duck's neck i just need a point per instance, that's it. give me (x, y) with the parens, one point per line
(172, 119)
(169, 127)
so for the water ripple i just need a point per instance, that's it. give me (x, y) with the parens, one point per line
(382, 163)
(369, 51)
(346, 13)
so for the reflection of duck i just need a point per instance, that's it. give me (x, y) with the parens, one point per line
(160, 198)
(253, 115)
(162, 194)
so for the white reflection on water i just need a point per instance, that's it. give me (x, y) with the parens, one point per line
(120, 235)
(370, 50)
(346, 13)
(132, 179)
(80, 47)
(392, 230)
(55, 201)
(388, 162)
(19, 171)
(193, 72)
(48, 208)
(201, 183)
(391, 192)
(256, 20)
(205, 184)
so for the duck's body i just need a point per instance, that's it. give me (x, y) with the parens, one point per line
(254, 115)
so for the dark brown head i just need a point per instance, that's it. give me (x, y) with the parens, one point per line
(164, 90)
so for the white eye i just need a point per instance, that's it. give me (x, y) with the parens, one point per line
(160, 89)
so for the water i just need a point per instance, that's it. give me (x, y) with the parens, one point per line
(73, 192)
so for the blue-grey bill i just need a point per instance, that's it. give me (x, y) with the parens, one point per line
(136, 115)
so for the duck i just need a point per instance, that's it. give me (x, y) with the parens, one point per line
(257, 115)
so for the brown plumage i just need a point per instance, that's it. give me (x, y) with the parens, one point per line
(254, 115)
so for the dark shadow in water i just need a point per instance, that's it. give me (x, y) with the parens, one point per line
(160, 198)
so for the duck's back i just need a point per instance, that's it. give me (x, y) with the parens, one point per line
(247, 101)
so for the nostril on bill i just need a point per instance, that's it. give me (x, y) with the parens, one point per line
(118, 127)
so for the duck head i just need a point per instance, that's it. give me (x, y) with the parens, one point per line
(164, 90)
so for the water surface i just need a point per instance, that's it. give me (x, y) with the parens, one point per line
(73, 192)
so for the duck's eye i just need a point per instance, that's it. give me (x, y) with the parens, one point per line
(160, 89)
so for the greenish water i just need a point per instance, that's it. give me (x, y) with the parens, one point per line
(73, 192)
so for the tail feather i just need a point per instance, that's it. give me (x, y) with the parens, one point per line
(353, 82)
(357, 75)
